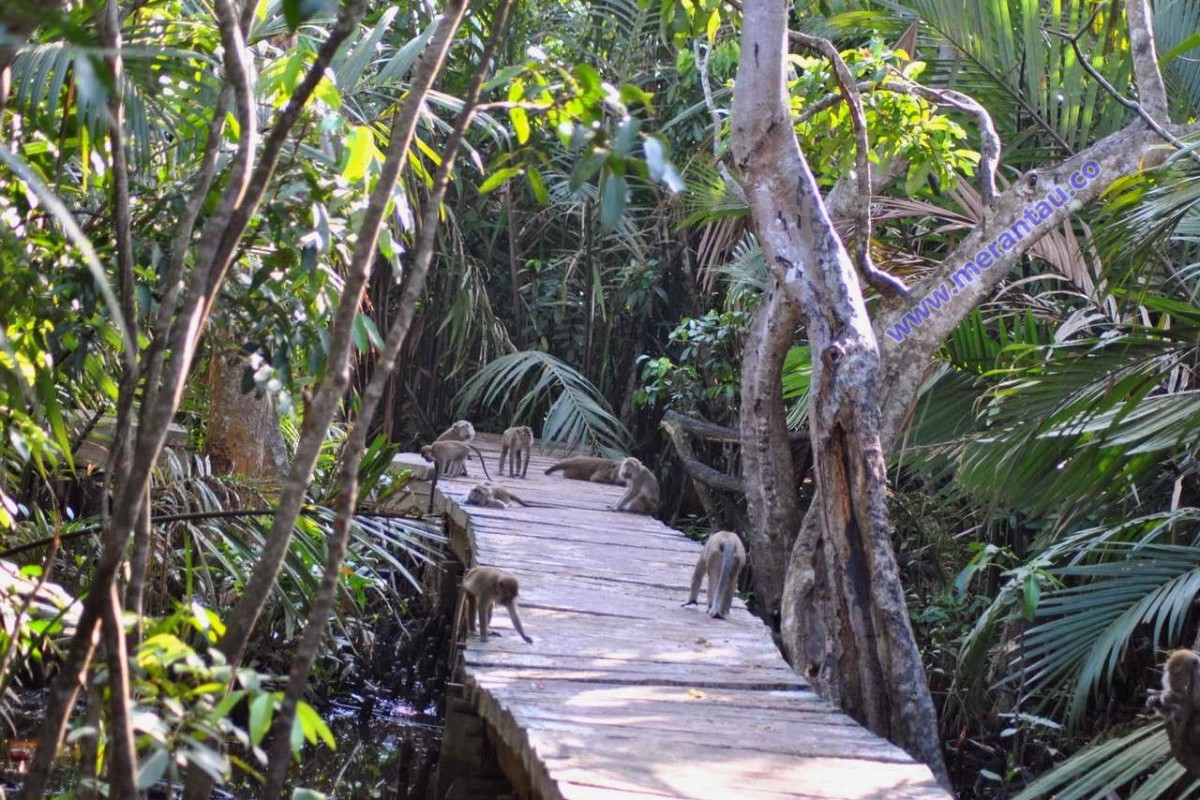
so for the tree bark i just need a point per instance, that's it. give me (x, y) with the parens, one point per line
(828, 578)
(768, 473)
(877, 674)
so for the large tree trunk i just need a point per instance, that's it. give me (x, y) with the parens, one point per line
(842, 607)
(876, 673)
(767, 467)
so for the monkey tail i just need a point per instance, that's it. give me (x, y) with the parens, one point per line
(482, 462)
(556, 467)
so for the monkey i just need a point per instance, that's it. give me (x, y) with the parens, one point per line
(450, 459)
(461, 431)
(1180, 683)
(642, 495)
(1179, 702)
(587, 468)
(482, 589)
(517, 443)
(722, 558)
(486, 494)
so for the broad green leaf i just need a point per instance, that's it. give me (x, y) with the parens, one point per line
(153, 768)
(538, 185)
(498, 178)
(360, 153)
(520, 121)
(612, 205)
(262, 709)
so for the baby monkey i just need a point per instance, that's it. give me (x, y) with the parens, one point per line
(722, 559)
(483, 588)
(492, 496)
(642, 495)
(461, 431)
(516, 444)
(588, 468)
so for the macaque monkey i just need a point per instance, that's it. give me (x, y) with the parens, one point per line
(492, 496)
(516, 444)
(1179, 702)
(450, 458)
(642, 495)
(1180, 684)
(482, 589)
(587, 468)
(722, 559)
(461, 431)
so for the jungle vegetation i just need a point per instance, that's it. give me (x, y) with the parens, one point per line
(255, 249)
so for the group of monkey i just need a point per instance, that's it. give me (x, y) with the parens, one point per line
(721, 560)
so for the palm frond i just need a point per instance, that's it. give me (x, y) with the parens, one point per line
(1101, 772)
(528, 382)
(1090, 623)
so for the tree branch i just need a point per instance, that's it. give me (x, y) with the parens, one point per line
(1040, 200)
(355, 446)
(887, 285)
(1146, 73)
(1133, 105)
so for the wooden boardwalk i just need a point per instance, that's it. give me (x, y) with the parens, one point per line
(626, 695)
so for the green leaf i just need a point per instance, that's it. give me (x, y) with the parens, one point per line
(612, 204)
(1181, 48)
(538, 185)
(634, 95)
(262, 709)
(313, 726)
(520, 121)
(153, 768)
(589, 79)
(498, 179)
(360, 153)
(291, 14)
(1031, 593)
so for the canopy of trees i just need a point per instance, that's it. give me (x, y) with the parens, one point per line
(903, 290)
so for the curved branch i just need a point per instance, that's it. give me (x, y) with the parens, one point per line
(880, 281)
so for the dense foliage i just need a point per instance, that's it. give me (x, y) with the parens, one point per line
(593, 267)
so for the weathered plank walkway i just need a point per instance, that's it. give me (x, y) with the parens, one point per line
(624, 694)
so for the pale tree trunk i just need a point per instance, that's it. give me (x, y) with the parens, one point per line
(878, 660)
(843, 617)
(767, 469)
